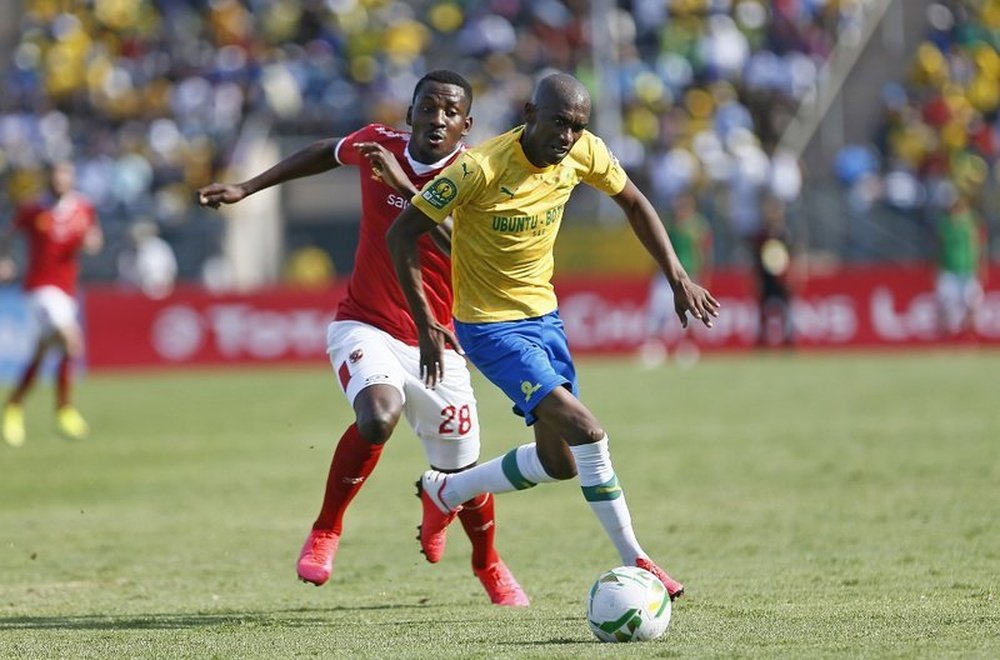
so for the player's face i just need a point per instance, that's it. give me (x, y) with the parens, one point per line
(552, 128)
(62, 178)
(439, 118)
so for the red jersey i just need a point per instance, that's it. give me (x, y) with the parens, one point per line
(373, 292)
(55, 230)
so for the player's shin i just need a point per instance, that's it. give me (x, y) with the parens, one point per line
(26, 381)
(606, 498)
(354, 459)
(479, 522)
(518, 469)
(64, 381)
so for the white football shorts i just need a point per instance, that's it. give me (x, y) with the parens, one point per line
(53, 309)
(445, 418)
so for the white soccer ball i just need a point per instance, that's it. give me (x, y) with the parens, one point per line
(628, 604)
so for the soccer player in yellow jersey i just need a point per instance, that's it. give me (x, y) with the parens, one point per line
(506, 200)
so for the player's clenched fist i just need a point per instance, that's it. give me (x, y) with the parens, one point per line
(217, 194)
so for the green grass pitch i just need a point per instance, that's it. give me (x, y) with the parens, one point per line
(816, 506)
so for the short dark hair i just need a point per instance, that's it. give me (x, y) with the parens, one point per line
(446, 77)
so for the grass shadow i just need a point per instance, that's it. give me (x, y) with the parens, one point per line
(291, 618)
(561, 641)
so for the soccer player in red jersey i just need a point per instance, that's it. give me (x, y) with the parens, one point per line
(57, 226)
(373, 342)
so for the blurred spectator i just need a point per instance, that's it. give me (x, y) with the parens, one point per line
(961, 264)
(148, 262)
(940, 127)
(775, 274)
(857, 169)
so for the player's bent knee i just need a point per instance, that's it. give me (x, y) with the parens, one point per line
(377, 428)
(596, 434)
(73, 348)
(564, 411)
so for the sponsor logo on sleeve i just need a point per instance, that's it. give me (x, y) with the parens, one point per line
(440, 192)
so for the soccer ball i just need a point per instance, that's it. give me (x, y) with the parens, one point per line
(628, 604)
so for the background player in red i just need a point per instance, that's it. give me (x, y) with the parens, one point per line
(373, 343)
(57, 226)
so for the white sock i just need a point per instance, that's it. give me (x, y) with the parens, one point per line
(518, 469)
(606, 498)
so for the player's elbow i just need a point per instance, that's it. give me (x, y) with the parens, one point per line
(394, 237)
(402, 234)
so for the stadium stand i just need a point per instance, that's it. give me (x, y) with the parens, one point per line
(150, 97)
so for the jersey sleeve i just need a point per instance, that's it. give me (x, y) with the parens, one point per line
(605, 173)
(452, 188)
(345, 153)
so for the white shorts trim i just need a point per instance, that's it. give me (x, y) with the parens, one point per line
(445, 418)
(53, 309)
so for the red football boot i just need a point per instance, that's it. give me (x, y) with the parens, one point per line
(501, 586)
(437, 515)
(316, 558)
(674, 588)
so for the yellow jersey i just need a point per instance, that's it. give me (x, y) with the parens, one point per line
(506, 215)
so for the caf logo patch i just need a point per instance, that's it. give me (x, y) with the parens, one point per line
(356, 355)
(441, 191)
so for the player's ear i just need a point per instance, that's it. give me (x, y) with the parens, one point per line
(468, 126)
(409, 115)
(529, 112)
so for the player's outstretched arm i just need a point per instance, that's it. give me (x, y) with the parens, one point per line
(312, 159)
(689, 298)
(402, 238)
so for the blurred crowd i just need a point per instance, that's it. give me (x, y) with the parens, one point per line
(939, 139)
(149, 96)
